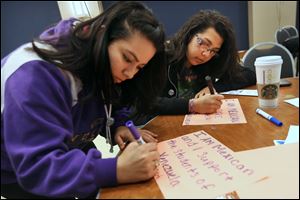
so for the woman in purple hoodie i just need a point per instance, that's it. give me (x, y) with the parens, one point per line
(77, 80)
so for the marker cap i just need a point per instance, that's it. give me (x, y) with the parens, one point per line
(276, 121)
(133, 129)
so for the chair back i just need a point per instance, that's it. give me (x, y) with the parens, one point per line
(288, 36)
(284, 33)
(267, 49)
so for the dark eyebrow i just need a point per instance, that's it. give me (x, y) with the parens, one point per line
(208, 41)
(131, 53)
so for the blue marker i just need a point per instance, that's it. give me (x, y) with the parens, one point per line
(134, 132)
(269, 117)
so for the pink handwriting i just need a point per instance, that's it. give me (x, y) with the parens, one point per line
(193, 172)
(235, 162)
(172, 177)
(210, 164)
(222, 150)
(172, 143)
(188, 141)
(234, 115)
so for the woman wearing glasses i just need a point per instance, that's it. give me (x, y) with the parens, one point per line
(205, 45)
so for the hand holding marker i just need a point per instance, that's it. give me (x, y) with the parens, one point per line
(134, 131)
(137, 136)
(269, 117)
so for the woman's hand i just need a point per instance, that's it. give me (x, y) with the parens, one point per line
(123, 136)
(137, 162)
(207, 104)
(203, 92)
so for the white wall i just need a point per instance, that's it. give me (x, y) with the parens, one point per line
(265, 17)
(79, 9)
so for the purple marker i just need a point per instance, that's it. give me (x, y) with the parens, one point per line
(134, 132)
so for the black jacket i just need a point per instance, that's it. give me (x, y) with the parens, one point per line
(170, 103)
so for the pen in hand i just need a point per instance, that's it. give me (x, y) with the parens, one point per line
(134, 131)
(209, 84)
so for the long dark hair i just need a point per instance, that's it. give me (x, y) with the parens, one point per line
(85, 54)
(227, 60)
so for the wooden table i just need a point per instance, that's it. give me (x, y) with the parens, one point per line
(257, 132)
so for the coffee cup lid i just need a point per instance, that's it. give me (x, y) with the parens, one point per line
(268, 60)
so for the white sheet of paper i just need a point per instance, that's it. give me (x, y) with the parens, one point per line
(282, 167)
(242, 92)
(230, 113)
(293, 135)
(196, 165)
(294, 101)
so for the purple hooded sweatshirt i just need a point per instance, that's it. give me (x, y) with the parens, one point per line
(43, 128)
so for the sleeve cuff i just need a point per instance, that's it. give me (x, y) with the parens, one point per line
(107, 173)
(191, 106)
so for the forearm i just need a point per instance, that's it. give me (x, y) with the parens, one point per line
(172, 106)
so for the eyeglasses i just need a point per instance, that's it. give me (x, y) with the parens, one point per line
(205, 47)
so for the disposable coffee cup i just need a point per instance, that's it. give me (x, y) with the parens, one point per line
(268, 70)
